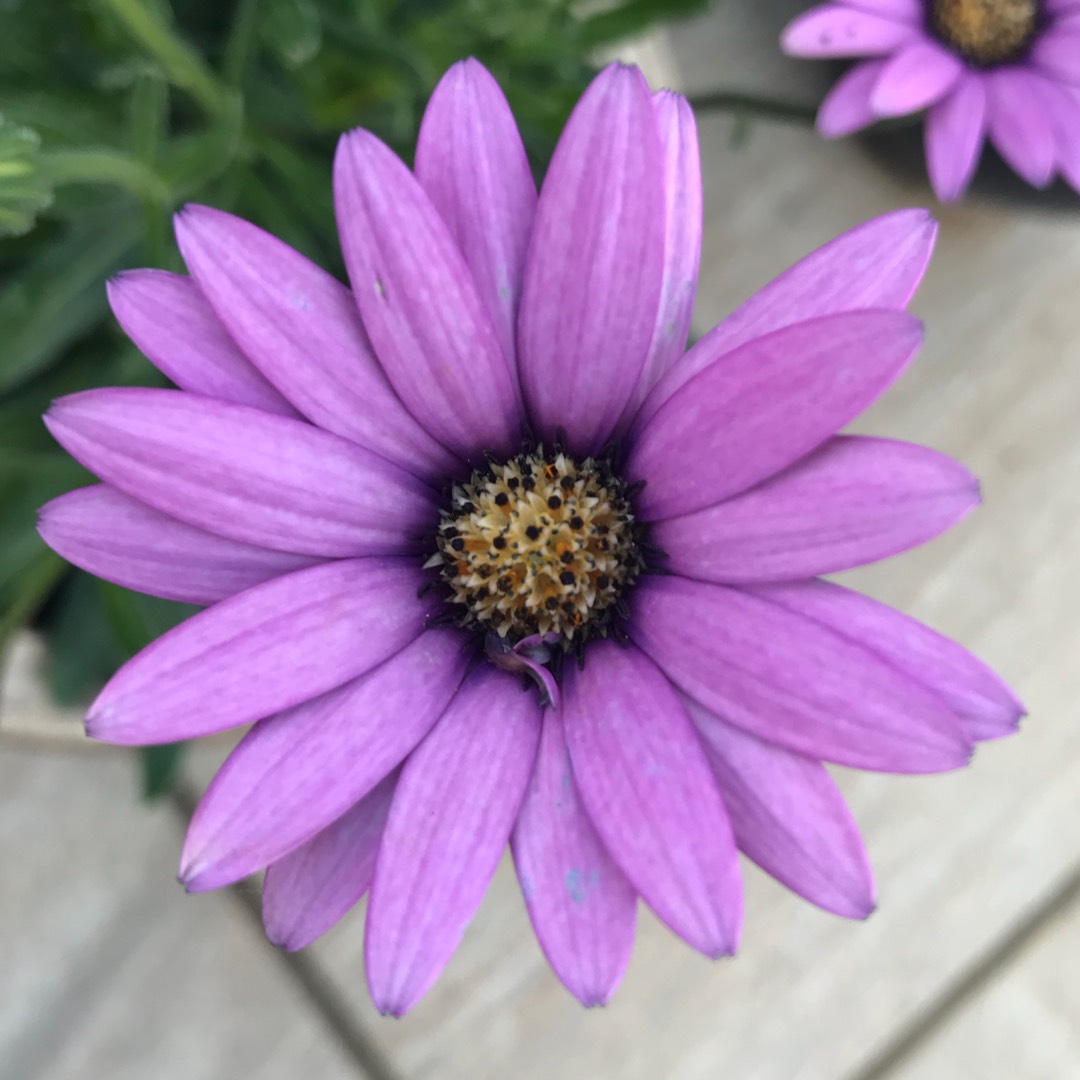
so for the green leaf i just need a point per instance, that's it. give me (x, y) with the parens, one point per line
(292, 29)
(82, 651)
(136, 620)
(160, 768)
(152, 31)
(29, 571)
(633, 18)
(60, 293)
(24, 190)
(36, 580)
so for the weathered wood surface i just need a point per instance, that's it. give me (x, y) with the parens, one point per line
(109, 971)
(960, 860)
(1025, 1022)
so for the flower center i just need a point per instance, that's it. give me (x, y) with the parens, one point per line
(540, 544)
(986, 32)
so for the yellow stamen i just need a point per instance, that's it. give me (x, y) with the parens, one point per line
(539, 544)
(986, 32)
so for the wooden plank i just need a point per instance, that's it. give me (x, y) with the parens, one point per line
(106, 969)
(1023, 1025)
(27, 715)
(959, 859)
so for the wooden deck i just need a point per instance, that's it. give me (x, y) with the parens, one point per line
(969, 968)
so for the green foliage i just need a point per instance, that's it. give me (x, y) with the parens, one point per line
(24, 191)
(117, 113)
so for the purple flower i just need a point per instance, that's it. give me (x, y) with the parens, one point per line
(487, 558)
(1004, 69)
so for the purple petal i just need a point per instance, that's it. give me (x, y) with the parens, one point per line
(170, 321)
(682, 240)
(122, 540)
(1058, 53)
(1063, 104)
(793, 681)
(854, 501)
(647, 786)
(771, 402)
(267, 649)
(241, 473)
(455, 805)
(593, 272)
(295, 773)
(846, 108)
(830, 30)
(419, 304)
(582, 907)
(1019, 126)
(877, 265)
(789, 817)
(311, 889)
(987, 708)
(299, 770)
(919, 75)
(472, 163)
(301, 329)
(910, 11)
(955, 129)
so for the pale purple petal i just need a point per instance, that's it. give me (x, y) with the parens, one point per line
(770, 402)
(421, 309)
(311, 889)
(1063, 107)
(648, 788)
(242, 473)
(909, 11)
(1019, 126)
(789, 817)
(987, 708)
(452, 814)
(593, 272)
(472, 163)
(846, 108)
(854, 501)
(793, 681)
(877, 265)
(122, 540)
(581, 905)
(682, 240)
(919, 75)
(301, 329)
(831, 30)
(955, 130)
(267, 649)
(172, 323)
(1057, 51)
(295, 773)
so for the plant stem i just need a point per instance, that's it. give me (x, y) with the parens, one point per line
(748, 105)
(183, 65)
(103, 166)
(149, 116)
(241, 43)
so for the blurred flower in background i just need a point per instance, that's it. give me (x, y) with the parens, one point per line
(1007, 70)
(490, 557)
(116, 114)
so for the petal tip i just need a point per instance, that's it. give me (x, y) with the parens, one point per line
(392, 1008)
